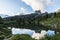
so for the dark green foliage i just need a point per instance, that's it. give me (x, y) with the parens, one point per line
(35, 21)
(21, 37)
(1, 37)
(56, 37)
(1, 21)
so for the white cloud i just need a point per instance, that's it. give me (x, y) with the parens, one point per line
(23, 11)
(12, 14)
(3, 11)
(49, 2)
(39, 4)
(35, 4)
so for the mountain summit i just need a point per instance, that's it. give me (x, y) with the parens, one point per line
(58, 11)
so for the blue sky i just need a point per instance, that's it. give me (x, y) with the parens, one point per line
(16, 7)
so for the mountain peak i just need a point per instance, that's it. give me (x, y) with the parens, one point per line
(58, 11)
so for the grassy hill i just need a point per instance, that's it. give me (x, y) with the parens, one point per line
(34, 21)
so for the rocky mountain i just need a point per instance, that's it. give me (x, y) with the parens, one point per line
(58, 11)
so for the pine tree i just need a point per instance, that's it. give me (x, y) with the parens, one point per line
(1, 21)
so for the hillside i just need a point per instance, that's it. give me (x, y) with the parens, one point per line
(35, 20)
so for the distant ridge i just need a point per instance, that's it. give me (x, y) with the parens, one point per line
(3, 16)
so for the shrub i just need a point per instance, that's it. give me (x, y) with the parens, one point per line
(21, 37)
(56, 37)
